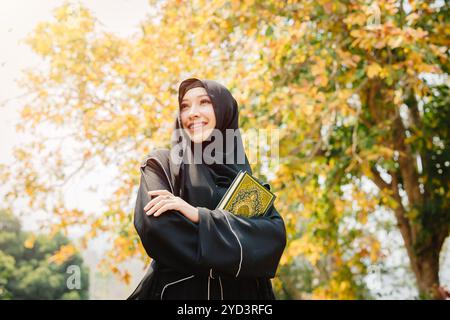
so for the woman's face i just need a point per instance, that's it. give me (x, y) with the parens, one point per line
(197, 114)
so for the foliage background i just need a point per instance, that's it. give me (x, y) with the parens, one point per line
(359, 90)
(36, 267)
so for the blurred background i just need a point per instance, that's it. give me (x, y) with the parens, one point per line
(358, 91)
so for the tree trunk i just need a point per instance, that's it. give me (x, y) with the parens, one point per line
(426, 270)
(423, 242)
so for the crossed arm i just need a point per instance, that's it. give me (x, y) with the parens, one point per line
(197, 239)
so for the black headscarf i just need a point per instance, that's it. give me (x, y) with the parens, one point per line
(204, 184)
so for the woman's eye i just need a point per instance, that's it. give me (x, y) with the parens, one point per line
(204, 101)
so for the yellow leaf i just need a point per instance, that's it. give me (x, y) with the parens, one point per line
(63, 254)
(373, 70)
(29, 243)
(126, 277)
(114, 270)
(375, 251)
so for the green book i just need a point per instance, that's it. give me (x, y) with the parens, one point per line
(246, 197)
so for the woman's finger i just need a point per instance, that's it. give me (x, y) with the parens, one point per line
(159, 193)
(164, 208)
(154, 201)
(158, 205)
(155, 206)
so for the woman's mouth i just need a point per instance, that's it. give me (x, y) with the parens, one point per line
(197, 125)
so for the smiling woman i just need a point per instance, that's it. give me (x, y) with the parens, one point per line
(197, 114)
(198, 251)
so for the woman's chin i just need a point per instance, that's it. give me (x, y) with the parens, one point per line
(199, 136)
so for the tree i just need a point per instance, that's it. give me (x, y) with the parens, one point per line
(377, 116)
(347, 83)
(32, 267)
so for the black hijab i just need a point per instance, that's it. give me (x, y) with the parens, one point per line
(203, 184)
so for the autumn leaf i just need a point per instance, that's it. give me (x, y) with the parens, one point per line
(373, 70)
(29, 242)
(63, 254)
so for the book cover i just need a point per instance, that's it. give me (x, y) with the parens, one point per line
(246, 197)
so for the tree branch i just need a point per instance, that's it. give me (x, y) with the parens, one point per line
(379, 182)
(406, 163)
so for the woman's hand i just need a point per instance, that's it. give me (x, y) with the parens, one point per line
(167, 201)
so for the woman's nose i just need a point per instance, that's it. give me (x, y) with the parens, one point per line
(193, 110)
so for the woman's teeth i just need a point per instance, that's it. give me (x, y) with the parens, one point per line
(197, 125)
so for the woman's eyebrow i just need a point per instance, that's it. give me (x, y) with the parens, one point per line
(203, 95)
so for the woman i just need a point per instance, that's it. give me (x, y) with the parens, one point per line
(199, 252)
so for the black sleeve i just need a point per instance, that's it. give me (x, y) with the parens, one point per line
(227, 244)
(241, 247)
(171, 238)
